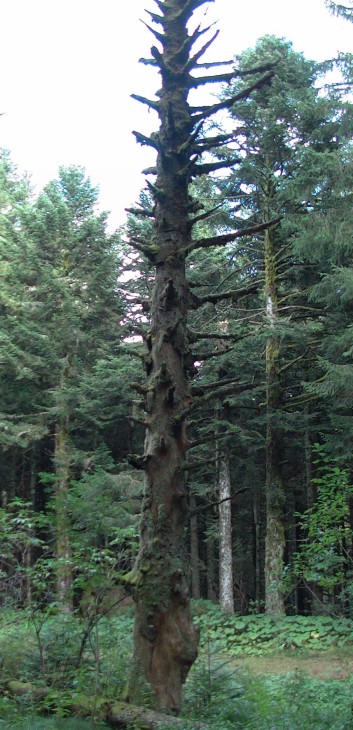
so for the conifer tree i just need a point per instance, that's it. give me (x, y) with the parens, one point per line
(165, 640)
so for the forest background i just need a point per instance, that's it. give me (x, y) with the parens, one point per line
(269, 476)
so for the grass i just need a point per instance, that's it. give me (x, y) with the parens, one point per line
(253, 672)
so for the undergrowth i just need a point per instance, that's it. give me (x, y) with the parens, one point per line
(255, 635)
(226, 698)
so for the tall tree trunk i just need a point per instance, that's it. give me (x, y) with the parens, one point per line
(194, 551)
(226, 588)
(165, 644)
(275, 536)
(211, 569)
(62, 519)
(165, 639)
(32, 499)
(257, 551)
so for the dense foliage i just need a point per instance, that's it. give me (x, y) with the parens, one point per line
(267, 387)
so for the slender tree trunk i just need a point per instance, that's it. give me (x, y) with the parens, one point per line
(194, 551)
(32, 496)
(211, 574)
(62, 520)
(257, 551)
(275, 536)
(226, 588)
(315, 591)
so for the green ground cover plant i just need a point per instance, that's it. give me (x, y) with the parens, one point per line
(219, 690)
(256, 634)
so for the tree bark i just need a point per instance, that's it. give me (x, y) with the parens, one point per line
(226, 590)
(275, 536)
(194, 551)
(64, 580)
(165, 639)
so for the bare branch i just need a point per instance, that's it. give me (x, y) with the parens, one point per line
(140, 211)
(233, 295)
(222, 240)
(206, 214)
(149, 102)
(146, 141)
(207, 111)
(207, 167)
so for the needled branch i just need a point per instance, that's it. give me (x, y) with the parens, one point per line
(207, 111)
(207, 167)
(216, 79)
(140, 211)
(209, 143)
(203, 216)
(143, 140)
(222, 240)
(159, 36)
(197, 336)
(216, 385)
(202, 356)
(156, 18)
(142, 248)
(217, 502)
(234, 296)
(194, 59)
(149, 102)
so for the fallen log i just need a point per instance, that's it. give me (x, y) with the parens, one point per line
(115, 714)
(121, 714)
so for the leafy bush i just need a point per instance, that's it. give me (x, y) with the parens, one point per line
(257, 634)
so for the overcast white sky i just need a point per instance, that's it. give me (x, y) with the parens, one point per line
(69, 67)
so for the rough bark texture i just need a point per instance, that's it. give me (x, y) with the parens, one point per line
(275, 538)
(194, 551)
(165, 639)
(226, 591)
(62, 520)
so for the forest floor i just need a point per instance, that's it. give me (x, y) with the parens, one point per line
(323, 665)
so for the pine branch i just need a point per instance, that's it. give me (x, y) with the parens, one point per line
(140, 211)
(191, 465)
(217, 384)
(156, 18)
(217, 502)
(142, 248)
(221, 392)
(203, 216)
(190, 6)
(197, 336)
(212, 64)
(207, 167)
(159, 36)
(209, 143)
(204, 440)
(149, 102)
(149, 171)
(216, 79)
(192, 62)
(234, 296)
(146, 141)
(202, 356)
(207, 111)
(292, 362)
(222, 240)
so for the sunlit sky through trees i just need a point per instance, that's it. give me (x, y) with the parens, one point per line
(69, 67)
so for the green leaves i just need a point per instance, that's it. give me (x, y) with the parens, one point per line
(262, 634)
(324, 555)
